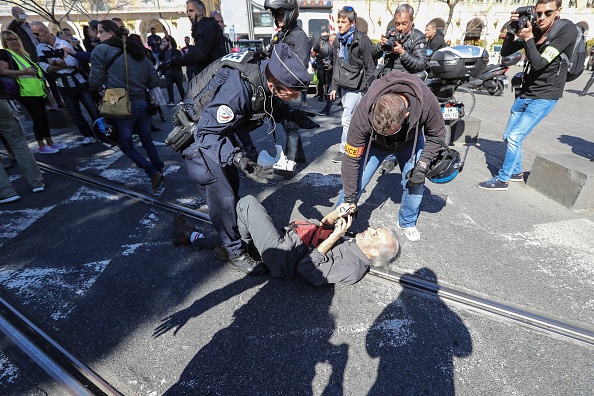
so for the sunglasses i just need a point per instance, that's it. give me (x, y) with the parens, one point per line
(546, 13)
(36, 34)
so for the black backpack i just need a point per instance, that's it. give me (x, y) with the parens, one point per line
(185, 115)
(577, 59)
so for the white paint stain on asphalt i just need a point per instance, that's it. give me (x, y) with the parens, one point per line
(85, 194)
(15, 221)
(55, 288)
(101, 161)
(8, 371)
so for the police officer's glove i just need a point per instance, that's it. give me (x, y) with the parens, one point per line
(258, 173)
(301, 118)
(416, 176)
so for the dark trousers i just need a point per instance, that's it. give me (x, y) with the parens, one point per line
(177, 78)
(73, 97)
(294, 144)
(35, 106)
(219, 186)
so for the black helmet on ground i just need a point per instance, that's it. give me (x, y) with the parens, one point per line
(290, 7)
(446, 166)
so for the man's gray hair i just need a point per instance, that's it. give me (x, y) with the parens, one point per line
(40, 25)
(388, 253)
(215, 13)
(405, 9)
(199, 4)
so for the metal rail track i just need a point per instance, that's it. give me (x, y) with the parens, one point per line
(77, 379)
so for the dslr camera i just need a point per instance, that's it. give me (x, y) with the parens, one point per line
(327, 63)
(393, 36)
(527, 14)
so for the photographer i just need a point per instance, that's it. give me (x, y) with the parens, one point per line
(403, 47)
(542, 83)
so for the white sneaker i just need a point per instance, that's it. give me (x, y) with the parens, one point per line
(411, 233)
(88, 140)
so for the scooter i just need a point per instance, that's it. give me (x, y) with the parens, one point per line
(493, 78)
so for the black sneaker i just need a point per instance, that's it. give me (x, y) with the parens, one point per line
(493, 184)
(518, 177)
(337, 158)
(163, 119)
(248, 265)
(221, 253)
(181, 230)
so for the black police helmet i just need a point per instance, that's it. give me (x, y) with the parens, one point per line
(446, 166)
(291, 10)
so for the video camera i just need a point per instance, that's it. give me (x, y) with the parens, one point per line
(527, 14)
(393, 36)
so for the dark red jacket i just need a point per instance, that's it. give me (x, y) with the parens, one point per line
(425, 116)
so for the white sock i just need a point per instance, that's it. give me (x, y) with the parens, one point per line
(195, 235)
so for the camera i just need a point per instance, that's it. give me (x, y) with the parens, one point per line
(393, 36)
(327, 63)
(526, 14)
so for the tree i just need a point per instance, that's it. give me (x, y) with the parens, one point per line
(51, 10)
(451, 5)
(92, 9)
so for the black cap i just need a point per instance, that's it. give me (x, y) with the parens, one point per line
(288, 68)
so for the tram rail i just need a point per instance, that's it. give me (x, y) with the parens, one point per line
(75, 377)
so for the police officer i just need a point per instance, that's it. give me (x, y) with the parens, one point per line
(397, 113)
(214, 158)
(285, 13)
(209, 43)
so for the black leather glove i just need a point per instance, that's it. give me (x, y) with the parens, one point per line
(416, 176)
(258, 173)
(301, 118)
(164, 65)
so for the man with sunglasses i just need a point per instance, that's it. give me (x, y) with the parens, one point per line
(393, 117)
(542, 84)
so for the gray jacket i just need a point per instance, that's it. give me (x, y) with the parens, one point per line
(141, 73)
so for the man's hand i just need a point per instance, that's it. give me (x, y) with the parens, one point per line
(332, 95)
(526, 33)
(398, 49)
(258, 173)
(416, 176)
(301, 118)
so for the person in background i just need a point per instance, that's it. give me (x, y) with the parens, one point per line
(435, 38)
(20, 26)
(190, 70)
(13, 134)
(73, 85)
(173, 73)
(154, 42)
(16, 62)
(216, 15)
(141, 76)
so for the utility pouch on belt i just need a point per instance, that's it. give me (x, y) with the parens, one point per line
(182, 135)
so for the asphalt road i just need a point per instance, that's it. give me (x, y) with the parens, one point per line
(97, 271)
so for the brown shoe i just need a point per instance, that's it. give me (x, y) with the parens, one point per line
(221, 253)
(157, 179)
(181, 230)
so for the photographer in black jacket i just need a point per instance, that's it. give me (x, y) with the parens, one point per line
(543, 80)
(403, 47)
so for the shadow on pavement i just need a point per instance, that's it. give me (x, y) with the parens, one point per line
(416, 339)
(578, 145)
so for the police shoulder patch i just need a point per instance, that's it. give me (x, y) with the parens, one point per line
(225, 114)
(354, 152)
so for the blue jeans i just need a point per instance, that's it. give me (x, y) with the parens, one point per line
(350, 100)
(411, 197)
(525, 114)
(73, 97)
(293, 145)
(140, 123)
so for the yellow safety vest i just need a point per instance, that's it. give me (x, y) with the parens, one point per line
(29, 85)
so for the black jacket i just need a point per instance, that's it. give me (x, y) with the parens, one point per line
(545, 79)
(437, 41)
(425, 118)
(359, 54)
(209, 45)
(175, 53)
(297, 40)
(414, 60)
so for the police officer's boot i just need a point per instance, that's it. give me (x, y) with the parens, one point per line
(248, 265)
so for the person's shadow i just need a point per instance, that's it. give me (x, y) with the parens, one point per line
(416, 338)
(272, 346)
(578, 145)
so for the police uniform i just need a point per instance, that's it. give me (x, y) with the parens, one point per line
(209, 159)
